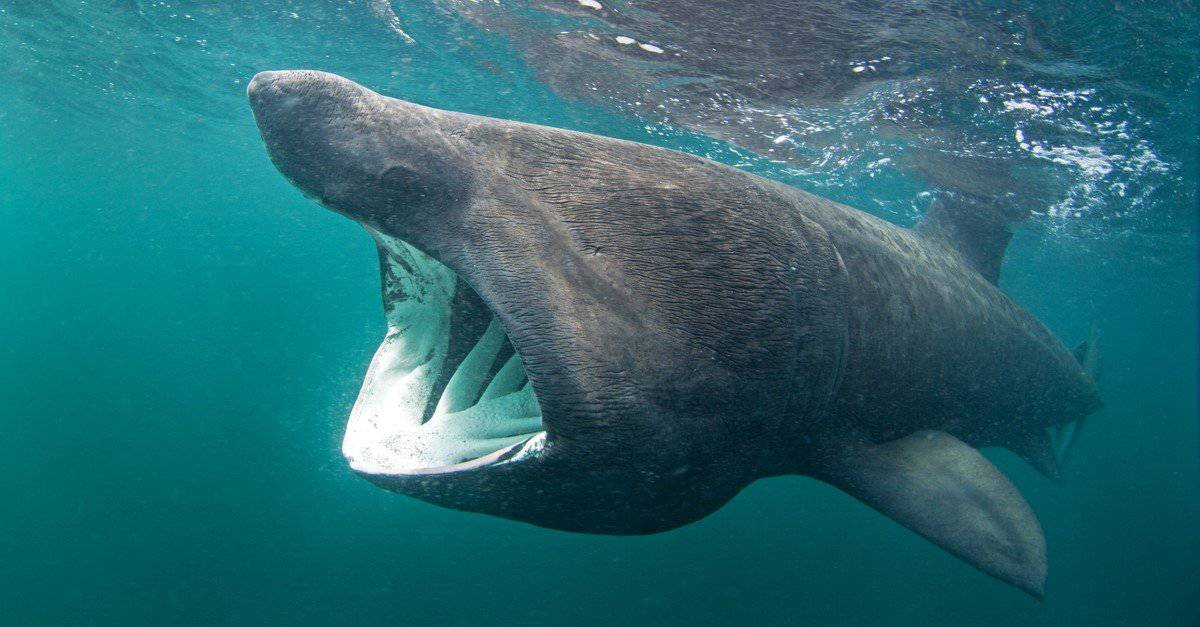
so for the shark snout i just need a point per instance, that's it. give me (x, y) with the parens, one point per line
(400, 168)
(275, 91)
(267, 87)
(302, 115)
(304, 99)
(260, 82)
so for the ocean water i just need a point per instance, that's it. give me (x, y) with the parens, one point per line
(184, 333)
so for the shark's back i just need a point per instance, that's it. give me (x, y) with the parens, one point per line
(934, 344)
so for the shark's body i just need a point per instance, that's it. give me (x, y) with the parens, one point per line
(685, 329)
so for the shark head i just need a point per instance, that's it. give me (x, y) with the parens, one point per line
(583, 333)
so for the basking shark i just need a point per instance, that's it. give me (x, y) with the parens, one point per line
(603, 336)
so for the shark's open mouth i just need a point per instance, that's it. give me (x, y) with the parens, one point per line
(445, 391)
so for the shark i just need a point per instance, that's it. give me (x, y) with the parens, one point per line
(603, 336)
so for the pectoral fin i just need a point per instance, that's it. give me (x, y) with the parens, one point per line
(946, 491)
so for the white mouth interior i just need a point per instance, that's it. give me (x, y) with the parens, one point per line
(484, 407)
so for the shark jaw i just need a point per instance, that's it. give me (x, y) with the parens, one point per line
(445, 391)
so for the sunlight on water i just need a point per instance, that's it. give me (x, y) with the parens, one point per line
(1036, 100)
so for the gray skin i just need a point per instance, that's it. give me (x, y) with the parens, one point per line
(689, 328)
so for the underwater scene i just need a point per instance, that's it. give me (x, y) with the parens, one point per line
(599, 312)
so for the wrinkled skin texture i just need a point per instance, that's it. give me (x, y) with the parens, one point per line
(673, 328)
(688, 327)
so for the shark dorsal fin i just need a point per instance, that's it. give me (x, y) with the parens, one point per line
(980, 233)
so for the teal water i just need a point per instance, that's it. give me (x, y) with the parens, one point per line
(184, 335)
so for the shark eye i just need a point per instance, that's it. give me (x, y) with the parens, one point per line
(396, 174)
(399, 177)
(413, 185)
